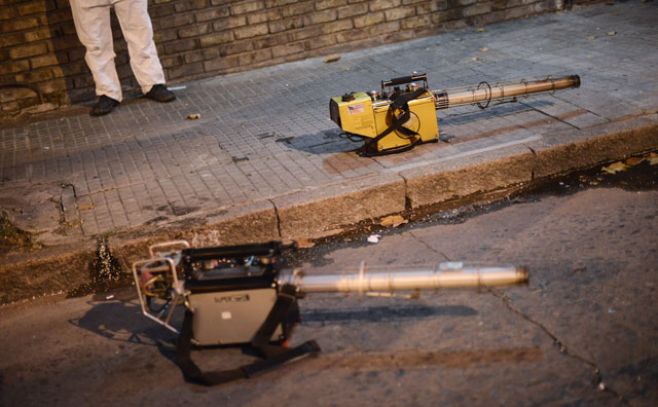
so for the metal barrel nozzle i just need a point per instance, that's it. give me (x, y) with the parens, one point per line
(484, 93)
(445, 275)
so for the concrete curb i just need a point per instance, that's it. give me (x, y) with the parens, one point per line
(316, 213)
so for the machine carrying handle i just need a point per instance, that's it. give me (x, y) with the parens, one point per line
(404, 80)
(210, 253)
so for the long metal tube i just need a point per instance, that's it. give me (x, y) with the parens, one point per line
(483, 93)
(445, 275)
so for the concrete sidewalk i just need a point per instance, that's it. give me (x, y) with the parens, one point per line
(265, 162)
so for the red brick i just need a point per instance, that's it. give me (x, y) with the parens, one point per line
(319, 17)
(352, 10)
(13, 67)
(185, 70)
(165, 35)
(250, 31)
(7, 12)
(18, 24)
(376, 5)
(272, 40)
(221, 64)
(287, 49)
(236, 47)
(35, 76)
(28, 51)
(178, 46)
(264, 16)
(193, 30)
(320, 42)
(305, 33)
(17, 93)
(7, 40)
(215, 39)
(189, 5)
(301, 7)
(211, 14)
(246, 7)
(45, 60)
(277, 3)
(38, 34)
(35, 7)
(231, 22)
(174, 21)
(439, 5)
(161, 10)
(171, 61)
(369, 19)
(384, 28)
(336, 26)
(421, 21)
(253, 57)
(325, 4)
(53, 86)
(352, 35)
(289, 23)
(476, 9)
(399, 13)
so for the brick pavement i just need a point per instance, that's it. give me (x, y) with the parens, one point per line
(266, 134)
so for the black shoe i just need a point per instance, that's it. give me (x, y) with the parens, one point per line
(161, 94)
(103, 106)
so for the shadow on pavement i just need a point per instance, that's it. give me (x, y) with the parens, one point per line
(385, 313)
(123, 321)
(324, 142)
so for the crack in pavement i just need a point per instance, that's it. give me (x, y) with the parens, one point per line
(424, 243)
(278, 218)
(596, 371)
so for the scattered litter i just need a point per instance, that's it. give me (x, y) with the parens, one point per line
(615, 168)
(653, 158)
(601, 386)
(85, 206)
(304, 243)
(591, 37)
(110, 297)
(484, 49)
(46, 148)
(446, 137)
(374, 238)
(193, 116)
(393, 220)
(612, 33)
(475, 59)
(633, 161)
(480, 29)
(331, 58)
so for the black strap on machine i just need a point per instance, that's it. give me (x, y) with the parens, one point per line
(273, 355)
(369, 148)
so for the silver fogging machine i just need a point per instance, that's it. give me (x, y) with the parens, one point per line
(245, 295)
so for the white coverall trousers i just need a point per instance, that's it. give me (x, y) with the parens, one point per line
(92, 23)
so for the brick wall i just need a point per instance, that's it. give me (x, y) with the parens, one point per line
(42, 62)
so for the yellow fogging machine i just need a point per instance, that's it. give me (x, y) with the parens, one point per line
(403, 113)
(246, 295)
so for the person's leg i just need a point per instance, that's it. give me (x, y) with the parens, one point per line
(138, 33)
(92, 23)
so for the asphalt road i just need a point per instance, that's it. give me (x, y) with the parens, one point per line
(583, 332)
